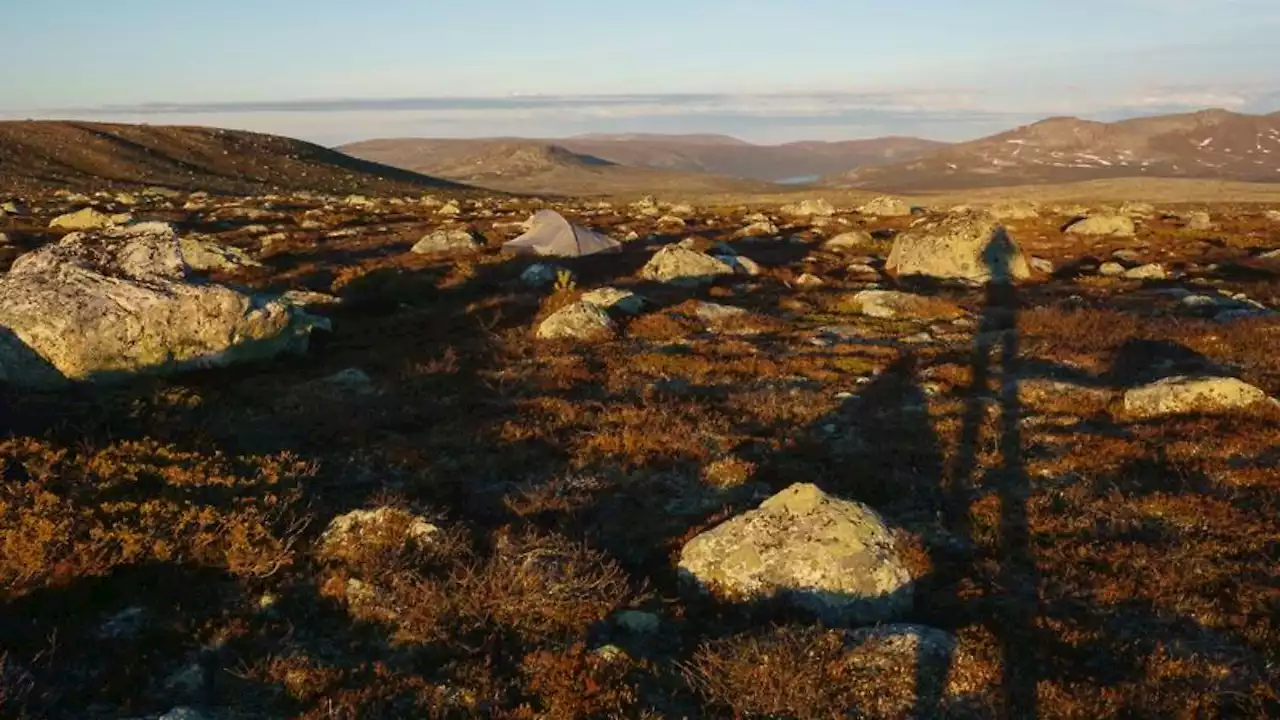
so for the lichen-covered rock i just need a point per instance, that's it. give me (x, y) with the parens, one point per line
(973, 247)
(894, 304)
(579, 321)
(1183, 394)
(759, 229)
(204, 256)
(110, 305)
(360, 532)
(85, 219)
(611, 298)
(1015, 210)
(682, 266)
(448, 241)
(810, 208)
(1104, 225)
(885, 206)
(833, 557)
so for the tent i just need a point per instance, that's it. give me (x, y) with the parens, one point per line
(550, 234)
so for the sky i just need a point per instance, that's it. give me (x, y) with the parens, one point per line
(769, 71)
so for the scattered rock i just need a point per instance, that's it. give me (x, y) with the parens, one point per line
(1111, 269)
(449, 209)
(682, 266)
(1104, 225)
(1273, 215)
(204, 256)
(448, 241)
(611, 298)
(809, 280)
(849, 240)
(885, 206)
(351, 381)
(741, 264)
(715, 313)
(579, 321)
(761, 228)
(110, 305)
(833, 557)
(1137, 209)
(1132, 257)
(1185, 394)
(894, 304)
(972, 247)
(1200, 222)
(671, 221)
(1015, 210)
(809, 208)
(1041, 265)
(1152, 271)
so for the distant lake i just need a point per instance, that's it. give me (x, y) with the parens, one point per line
(799, 180)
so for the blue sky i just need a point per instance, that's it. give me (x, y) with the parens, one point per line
(768, 71)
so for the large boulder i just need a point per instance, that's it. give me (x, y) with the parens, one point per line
(973, 247)
(1104, 225)
(579, 321)
(682, 266)
(108, 305)
(833, 557)
(1183, 394)
(848, 241)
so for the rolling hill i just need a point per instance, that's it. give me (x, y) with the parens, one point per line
(1210, 144)
(536, 166)
(83, 155)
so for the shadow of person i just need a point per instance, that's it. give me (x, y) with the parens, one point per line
(994, 371)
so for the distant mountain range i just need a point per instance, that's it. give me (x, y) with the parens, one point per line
(1210, 144)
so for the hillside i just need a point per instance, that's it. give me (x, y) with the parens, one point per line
(1211, 144)
(535, 166)
(729, 156)
(41, 154)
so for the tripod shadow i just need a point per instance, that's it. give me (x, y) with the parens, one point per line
(994, 371)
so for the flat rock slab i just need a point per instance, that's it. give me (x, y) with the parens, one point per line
(833, 557)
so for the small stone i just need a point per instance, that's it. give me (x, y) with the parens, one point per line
(808, 208)
(539, 275)
(1147, 272)
(450, 209)
(637, 622)
(1041, 265)
(809, 280)
(762, 228)
(741, 264)
(1111, 269)
(347, 534)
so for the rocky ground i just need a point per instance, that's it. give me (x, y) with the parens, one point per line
(745, 468)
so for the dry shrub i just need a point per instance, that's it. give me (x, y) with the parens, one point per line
(661, 327)
(538, 587)
(66, 515)
(576, 683)
(812, 673)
